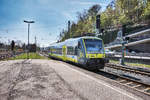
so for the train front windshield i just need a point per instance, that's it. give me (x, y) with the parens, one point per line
(93, 46)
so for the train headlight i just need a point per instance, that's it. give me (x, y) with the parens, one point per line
(103, 55)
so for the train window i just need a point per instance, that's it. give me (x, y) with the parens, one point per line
(53, 50)
(70, 50)
(93, 45)
(58, 51)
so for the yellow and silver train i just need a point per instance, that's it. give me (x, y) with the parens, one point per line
(87, 51)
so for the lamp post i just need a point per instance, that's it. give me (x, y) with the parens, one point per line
(28, 22)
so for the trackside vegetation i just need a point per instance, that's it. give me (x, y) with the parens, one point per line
(31, 56)
(135, 14)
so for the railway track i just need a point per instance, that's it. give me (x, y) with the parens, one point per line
(131, 83)
(129, 69)
(127, 81)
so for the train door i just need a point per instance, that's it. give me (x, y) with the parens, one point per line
(64, 52)
(80, 54)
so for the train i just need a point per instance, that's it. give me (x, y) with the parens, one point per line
(87, 51)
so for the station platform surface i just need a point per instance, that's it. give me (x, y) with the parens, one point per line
(54, 80)
(89, 87)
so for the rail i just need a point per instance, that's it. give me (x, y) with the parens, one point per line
(129, 69)
(131, 83)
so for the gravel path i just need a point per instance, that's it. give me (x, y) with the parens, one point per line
(25, 80)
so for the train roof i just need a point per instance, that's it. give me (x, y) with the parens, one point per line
(90, 37)
(72, 41)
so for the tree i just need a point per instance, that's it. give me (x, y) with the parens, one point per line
(117, 13)
(85, 23)
(12, 45)
(146, 12)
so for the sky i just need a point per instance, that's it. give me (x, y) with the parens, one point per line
(50, 16)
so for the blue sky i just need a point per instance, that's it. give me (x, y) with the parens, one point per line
(50, 18)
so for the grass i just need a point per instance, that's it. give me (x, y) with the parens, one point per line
(31, 56)
(131, 64)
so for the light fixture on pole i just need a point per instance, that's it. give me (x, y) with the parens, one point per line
(28, 22)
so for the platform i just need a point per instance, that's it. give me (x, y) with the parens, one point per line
(51, 80)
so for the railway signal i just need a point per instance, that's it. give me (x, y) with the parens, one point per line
(98, 22)
(98, 25)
